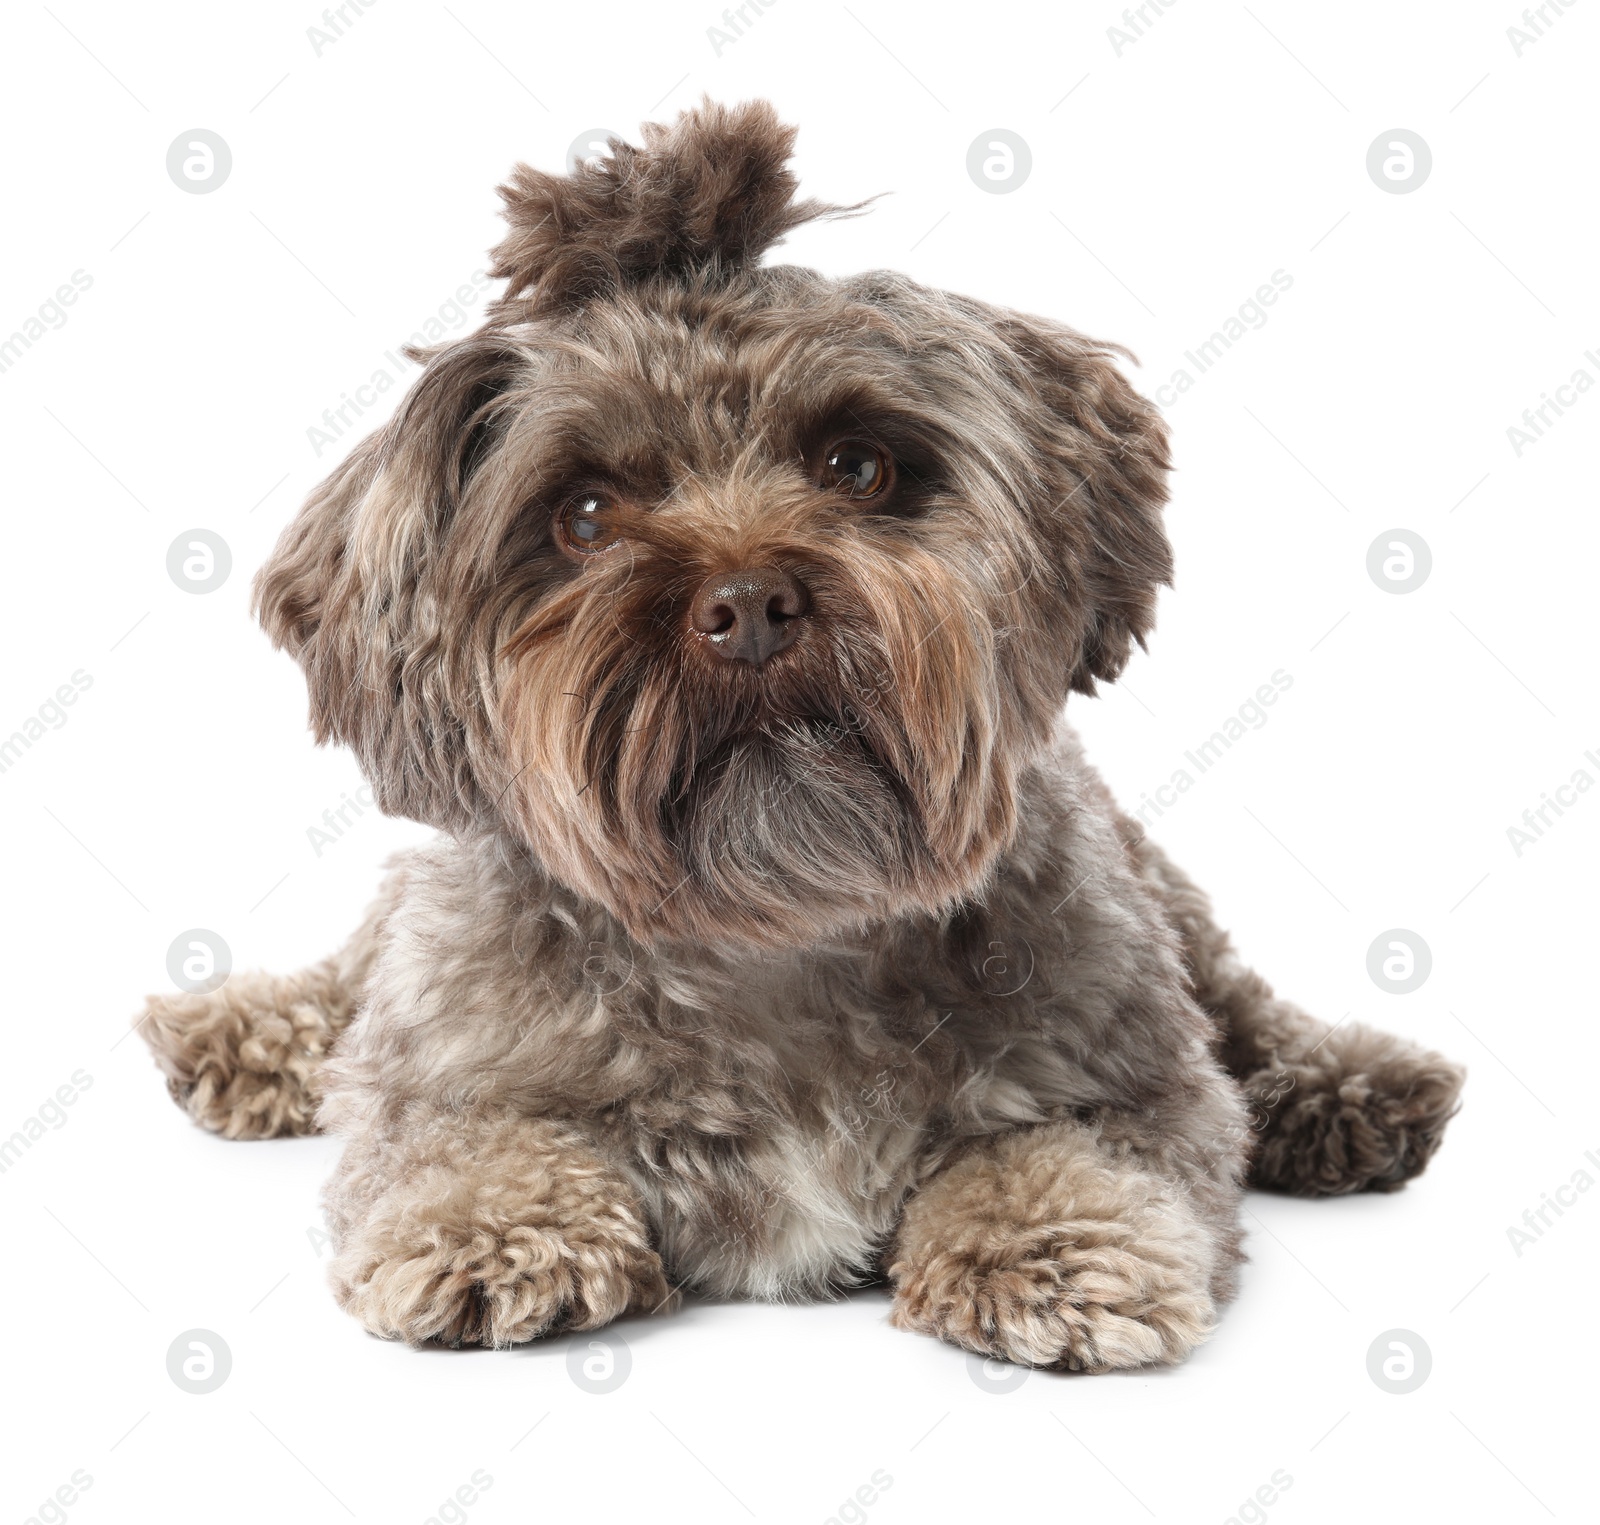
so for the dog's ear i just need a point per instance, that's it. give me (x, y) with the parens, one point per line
(1102, 451)
(361, 593)
(702, 198)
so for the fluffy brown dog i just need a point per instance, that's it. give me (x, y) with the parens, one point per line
(780, 937)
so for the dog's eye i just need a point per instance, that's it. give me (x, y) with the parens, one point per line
(582, 526)
(857, 468)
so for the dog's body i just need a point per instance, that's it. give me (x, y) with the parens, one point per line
(779, 939)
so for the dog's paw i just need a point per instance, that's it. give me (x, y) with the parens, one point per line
(1364, 1111)
(1052, 1299)
(477, 1272)
(1043, 1252)
(244, 1060)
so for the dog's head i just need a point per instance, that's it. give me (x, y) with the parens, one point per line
(740, 595)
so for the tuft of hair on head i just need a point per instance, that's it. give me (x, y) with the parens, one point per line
(702, 199)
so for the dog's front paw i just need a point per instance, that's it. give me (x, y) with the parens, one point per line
(492, 1286)
(520, 1240)
(1054, 1256)
(245, 1060)
(421, 1279)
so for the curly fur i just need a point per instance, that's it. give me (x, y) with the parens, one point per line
(766, 981)
(488, 1232)
(1042, 1248)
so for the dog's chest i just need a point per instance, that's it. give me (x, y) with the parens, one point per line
(774, 1152)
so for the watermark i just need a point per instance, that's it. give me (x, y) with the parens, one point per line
(1536, 23)
(1541, 420)
(600, 1365)
(1250, 716)
(199, 161)
(1537, 1219)
(447, 317)
(1136, 21)
(50, 314)
(992, 1375)
(735, 23)
(54, 1509)
(608, 967)
(1399, 561)
(336, 822)
(199, 1361)
(1399, 161)
(1254, 1509)
(999, 161)
(1536, 819)
(1006, 967)
(1399, 1361)
(454, 1509)
(1250, 315)
(336, 24)
(854, 1509)
(1399, 961)
(49, 1117)
(199, 561)
(199, 961)
(49, 716)
(590, 147)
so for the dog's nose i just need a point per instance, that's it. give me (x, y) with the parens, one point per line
(748, 615)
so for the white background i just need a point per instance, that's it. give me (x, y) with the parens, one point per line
(1168, 182)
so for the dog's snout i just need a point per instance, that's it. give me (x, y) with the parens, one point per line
(748, 615)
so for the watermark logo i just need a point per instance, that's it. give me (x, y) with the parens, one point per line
(1538, 819)
(1123, 37)
(735, 23)
(1254, 1509)
(199, 561)
(1537, 422)
(48, 315)
(199, 161)
(992, 1375)
(1399, 961)
(1250, 716)
(1536, 23)
(199, 1361)
(1399, 561)
(434, 329)
(53, 1510)
(335, 823)
(1399, 161)
(1250, 314)
(50, 1116)
(999, 161)
(52, 714)
(590, 147)
(607, 967)
(331, 31)
(199, 961)
(454, 1509)
(854, 1509)
(1399, 1361)
(600, 1366)
(1537, 1219)
(1005, 967)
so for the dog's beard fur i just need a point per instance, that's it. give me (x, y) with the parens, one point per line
(860, 773)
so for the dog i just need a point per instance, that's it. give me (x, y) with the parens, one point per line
(778, 939)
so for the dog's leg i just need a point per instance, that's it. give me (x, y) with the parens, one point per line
(245, 1060)
(1047, 1248)
(485, 1228)
(1336, 1109)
